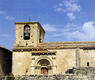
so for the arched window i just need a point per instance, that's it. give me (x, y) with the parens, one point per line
(26, 32)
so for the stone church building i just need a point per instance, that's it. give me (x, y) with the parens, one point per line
(33, 56)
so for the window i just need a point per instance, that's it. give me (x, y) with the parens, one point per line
(87, 64)
(26, 32)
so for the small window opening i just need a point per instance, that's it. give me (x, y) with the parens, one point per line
(26, 32)
(87, 64)
(70, 71)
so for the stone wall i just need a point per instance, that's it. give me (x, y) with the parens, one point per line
(63, 60)
(83, 73)
(35, 34)
(53, 77)
(57, 77)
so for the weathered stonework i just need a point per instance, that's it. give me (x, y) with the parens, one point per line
(36, 57)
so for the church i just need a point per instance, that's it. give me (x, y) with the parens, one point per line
(33, 56)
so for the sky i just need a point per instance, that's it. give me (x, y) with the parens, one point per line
(63, 20)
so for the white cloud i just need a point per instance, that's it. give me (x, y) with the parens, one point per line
(71, 16)
(71, 32)
(9, 18)
(59, 9)
(2, 13)
(89, 29)
(85, 33)
(49, 27)
(61, 4)
(70, 7)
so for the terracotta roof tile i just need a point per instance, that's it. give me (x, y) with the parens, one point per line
(56, 45)
(60, 45)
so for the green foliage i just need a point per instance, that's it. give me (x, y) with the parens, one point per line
(10, 77)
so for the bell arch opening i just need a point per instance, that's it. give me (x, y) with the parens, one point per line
(26, 32)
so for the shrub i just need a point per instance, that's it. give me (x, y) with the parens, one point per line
(10, 76)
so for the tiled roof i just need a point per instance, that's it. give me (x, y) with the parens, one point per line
(58, 45)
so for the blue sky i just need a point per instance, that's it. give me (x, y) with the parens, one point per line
(63, 20)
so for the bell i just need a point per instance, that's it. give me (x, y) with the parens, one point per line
(27, 34)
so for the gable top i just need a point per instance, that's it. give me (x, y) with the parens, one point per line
(35, 22)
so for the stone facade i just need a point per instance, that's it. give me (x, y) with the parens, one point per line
(33, 56)
(5, 61)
